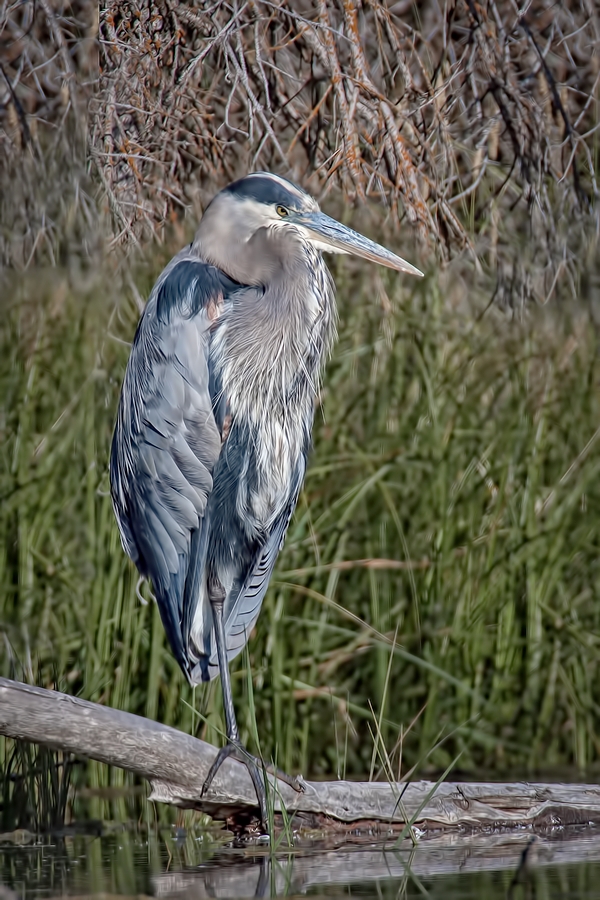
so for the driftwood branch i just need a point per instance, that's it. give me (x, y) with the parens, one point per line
(176, 765)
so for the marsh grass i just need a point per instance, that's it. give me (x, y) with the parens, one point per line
(439, 582)
(35, 784)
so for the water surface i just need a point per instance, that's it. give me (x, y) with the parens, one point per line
(175, 864)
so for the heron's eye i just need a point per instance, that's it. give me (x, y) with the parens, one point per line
(282, 211)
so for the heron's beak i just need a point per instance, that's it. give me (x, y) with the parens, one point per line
(332, 236)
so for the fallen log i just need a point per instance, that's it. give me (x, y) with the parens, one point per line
(176, 766)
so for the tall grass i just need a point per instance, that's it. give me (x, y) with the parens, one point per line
(35, 788)
(457, 456)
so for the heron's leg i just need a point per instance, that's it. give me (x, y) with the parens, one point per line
(231, 728)
(234, 746)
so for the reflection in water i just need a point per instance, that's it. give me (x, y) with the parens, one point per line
(190, 866)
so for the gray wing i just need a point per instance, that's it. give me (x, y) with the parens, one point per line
(175, 483)
(167, 439)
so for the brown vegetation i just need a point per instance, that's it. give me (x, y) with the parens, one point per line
(461, 120)
(48, 67)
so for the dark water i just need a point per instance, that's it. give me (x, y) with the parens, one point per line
(171, 864)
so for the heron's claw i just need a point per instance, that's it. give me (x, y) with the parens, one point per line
(294, 781)
(239, 752)
(256, 769)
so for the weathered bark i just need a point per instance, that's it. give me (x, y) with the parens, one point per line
(176, 765)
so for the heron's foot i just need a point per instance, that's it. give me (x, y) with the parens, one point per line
(256, 769)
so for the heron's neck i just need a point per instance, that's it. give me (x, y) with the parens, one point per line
(274, 338)
(268, 347)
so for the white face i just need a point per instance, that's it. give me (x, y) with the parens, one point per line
(232, 221)
(255, 212)
(252, 215)
(275, 216)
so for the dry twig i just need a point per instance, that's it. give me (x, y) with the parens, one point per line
(474, 121)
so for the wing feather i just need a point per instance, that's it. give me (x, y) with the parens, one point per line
(176, 475)
(166, 440)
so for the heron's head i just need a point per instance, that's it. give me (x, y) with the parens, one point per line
(250, 228)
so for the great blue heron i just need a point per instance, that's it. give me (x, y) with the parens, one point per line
(215, 418)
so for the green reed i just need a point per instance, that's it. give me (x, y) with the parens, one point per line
(460, 452)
